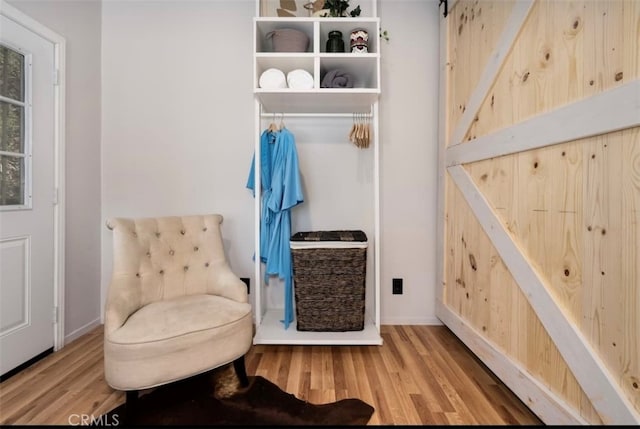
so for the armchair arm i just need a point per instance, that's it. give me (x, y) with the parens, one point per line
(122, 301)
(224, 282)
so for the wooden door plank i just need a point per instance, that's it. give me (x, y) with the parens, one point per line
(586, 365)
(515, 23)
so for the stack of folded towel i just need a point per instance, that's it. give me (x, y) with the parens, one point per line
(299, 79)
(272, 79)
(296, 79)
(337, 78)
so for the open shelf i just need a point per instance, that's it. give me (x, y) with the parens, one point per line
(271, 331)
(363, 68)
(318, 101)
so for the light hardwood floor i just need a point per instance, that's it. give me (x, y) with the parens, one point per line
(422, 375)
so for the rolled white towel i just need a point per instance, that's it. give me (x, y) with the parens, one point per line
(273, 79)
(300, 79)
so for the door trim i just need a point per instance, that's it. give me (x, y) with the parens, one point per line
(58, 196)
(611, 110)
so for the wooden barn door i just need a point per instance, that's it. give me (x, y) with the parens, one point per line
(539, 229)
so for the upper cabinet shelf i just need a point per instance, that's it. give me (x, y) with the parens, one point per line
(363, 69)
(264, 26)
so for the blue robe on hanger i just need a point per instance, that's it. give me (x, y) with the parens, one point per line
(281, 191)
(267, 141)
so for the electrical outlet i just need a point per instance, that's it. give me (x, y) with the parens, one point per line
(397, 286)
(246, 281)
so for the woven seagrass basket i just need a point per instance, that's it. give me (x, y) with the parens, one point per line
(288, 40)
(329, 273)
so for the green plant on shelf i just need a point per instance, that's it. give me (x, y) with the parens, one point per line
(339, 8)
(384, 34)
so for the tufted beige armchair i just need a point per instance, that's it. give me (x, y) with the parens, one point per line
(174, 307)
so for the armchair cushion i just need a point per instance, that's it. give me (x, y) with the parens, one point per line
(165, 320)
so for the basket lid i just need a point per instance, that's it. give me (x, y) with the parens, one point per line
(336, 235)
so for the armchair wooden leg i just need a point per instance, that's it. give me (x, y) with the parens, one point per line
(130, 404)
(132, 397)
(241, 371)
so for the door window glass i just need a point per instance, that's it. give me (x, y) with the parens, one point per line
(14, 147)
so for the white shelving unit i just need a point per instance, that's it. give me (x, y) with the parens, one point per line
(364, 68)
(318, 102)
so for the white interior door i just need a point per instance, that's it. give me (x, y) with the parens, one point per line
(27, 119)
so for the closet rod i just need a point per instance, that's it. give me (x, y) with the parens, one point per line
(264, 114)
(315, 115)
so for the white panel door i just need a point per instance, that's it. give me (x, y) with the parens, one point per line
(26, 194)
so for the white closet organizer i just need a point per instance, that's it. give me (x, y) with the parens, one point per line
(318, 102)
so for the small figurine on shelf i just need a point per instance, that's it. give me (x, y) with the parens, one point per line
(359, 41)
(315, 7)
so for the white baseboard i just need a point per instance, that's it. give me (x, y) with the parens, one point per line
(81, 331)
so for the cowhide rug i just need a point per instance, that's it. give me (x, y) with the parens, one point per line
(215, 398)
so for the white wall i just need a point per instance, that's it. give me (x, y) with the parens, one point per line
(409, 154)
(79, 23)
(177, 123)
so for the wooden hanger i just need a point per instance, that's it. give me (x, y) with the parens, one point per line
(273, 126)
(360, 134)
